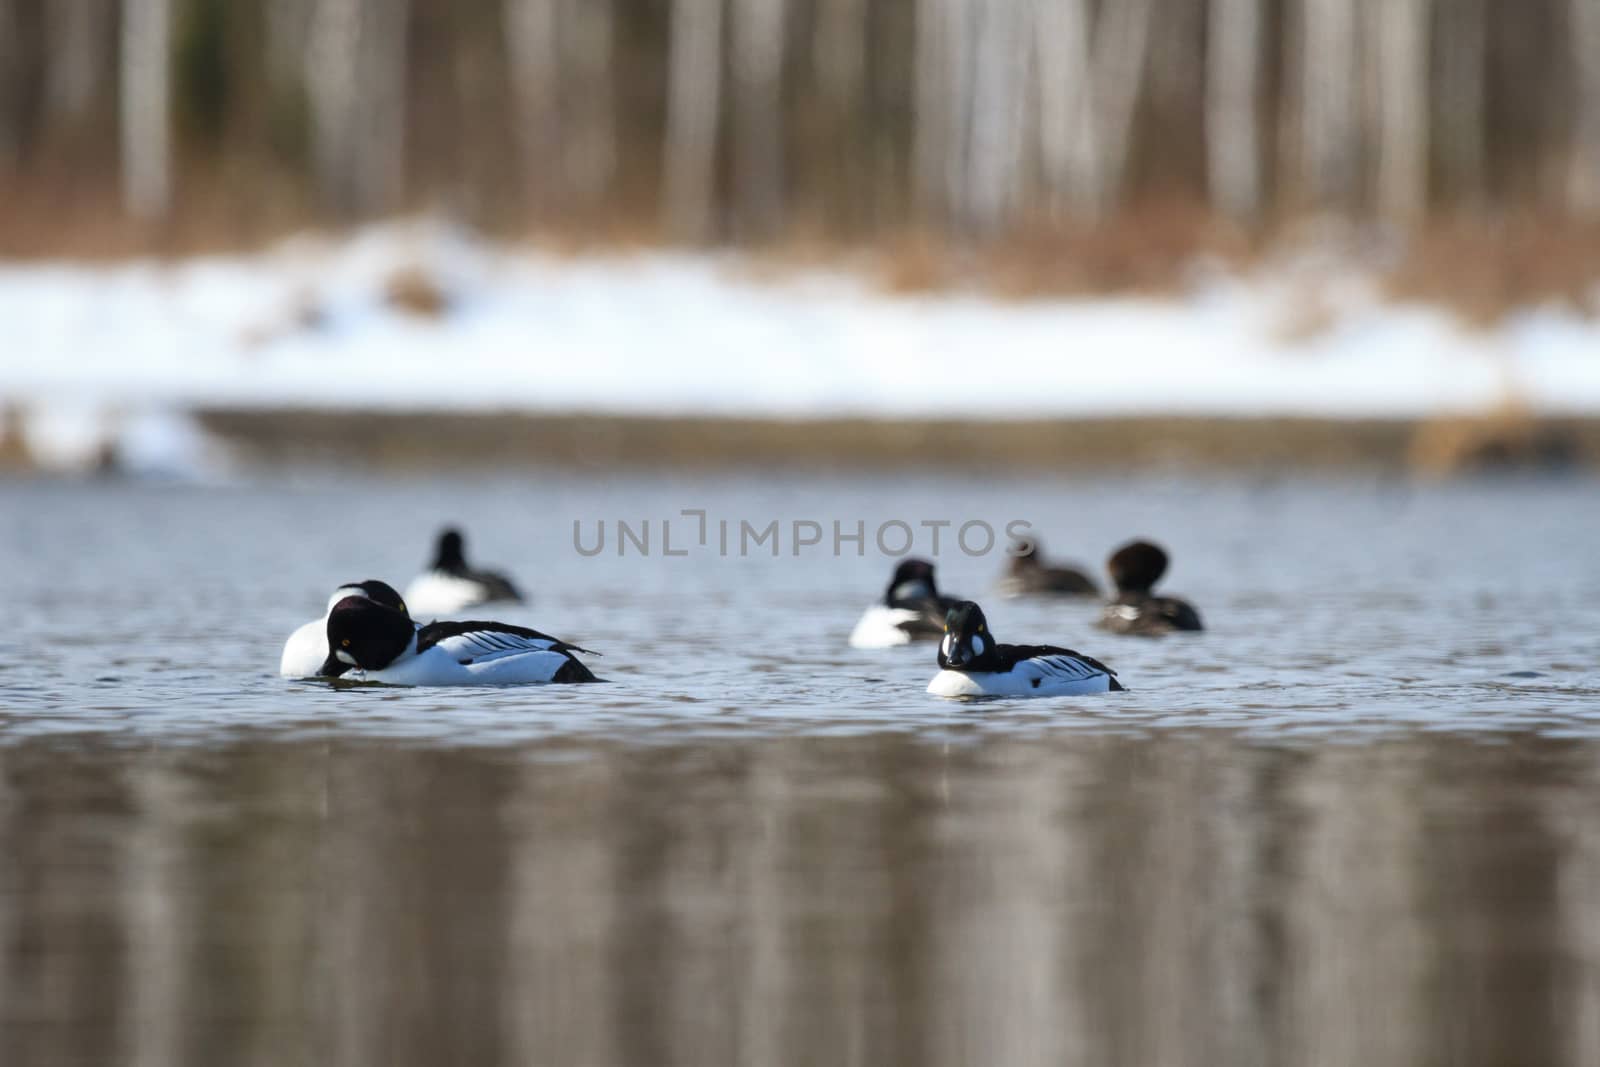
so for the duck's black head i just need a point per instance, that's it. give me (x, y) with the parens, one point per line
(967, 644)
(364, 633)
(451, 555)
(1137, 566)
(1031, 560)
(374, 590)
(913, 580)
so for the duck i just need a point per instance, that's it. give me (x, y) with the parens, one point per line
(911, 610)
(1135, 569)
(373, 642)
(450, 585)
(307, 648)
(1028, 573)
(973, 664)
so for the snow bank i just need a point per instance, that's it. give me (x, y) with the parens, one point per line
(307, 325)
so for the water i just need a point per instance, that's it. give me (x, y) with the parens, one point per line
(1355, 822)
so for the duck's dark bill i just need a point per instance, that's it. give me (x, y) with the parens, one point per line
(331, 667)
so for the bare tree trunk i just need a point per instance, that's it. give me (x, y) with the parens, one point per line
(1328, 125)
(383, 96)
(357, 80)
(1460, 115)
(1402, 46)
(1233, 83)
(1121, 41)
(332, 77)
(838, 57)
(288, 36)
(758, 103)
(960, 85)
(931, 127)
(591, 150)
(1583, 177)
(1067, 144)
(693, 100)
(534, 42)
(146, 103)
(75, 33)
(1000, 76)
(10, 84)
(839, 51)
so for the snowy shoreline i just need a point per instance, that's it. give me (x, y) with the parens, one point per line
(307, 326)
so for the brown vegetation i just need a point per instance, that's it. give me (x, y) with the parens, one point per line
(1510, 439)
(414, 290)
(1486, 269)
(431, 440)
(1075, 147)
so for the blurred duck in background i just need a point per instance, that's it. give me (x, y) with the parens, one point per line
(1029, 574)
(1135, 569)
(451, 585)
(911, 610)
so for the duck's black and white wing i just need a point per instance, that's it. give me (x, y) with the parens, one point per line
(473, 641)
(1047, 666)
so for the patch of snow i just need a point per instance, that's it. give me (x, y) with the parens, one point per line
(83, 435)
(307, 326)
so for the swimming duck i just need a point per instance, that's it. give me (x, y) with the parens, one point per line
(372, 642)
(1135, 569)
(972, 664)
(307, 648)
(450, 585)
(911, 610)
(1029, 573)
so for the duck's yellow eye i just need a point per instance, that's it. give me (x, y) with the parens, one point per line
(345, 643)
(402, 605)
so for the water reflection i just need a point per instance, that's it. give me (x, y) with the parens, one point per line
(1182, 899)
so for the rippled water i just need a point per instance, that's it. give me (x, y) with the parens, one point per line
(1355, 822)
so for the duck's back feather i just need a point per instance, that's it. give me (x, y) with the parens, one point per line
(480, 639)
(1149, 616)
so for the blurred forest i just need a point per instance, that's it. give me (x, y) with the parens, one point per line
(224, 121)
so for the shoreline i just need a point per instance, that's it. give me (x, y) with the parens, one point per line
(439, 441)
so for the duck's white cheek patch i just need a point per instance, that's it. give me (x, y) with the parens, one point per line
(949, 645)
(977, 645)
(346, 658)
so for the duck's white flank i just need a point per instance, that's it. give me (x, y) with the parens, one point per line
(437, 594)
(880, 626)
(492, 658)
(1041, 676)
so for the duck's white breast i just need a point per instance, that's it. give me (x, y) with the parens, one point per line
(880, 627)
(436, 593)
(305, 651)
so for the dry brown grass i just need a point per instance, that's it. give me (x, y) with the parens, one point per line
(72, 214)
(14, 453)
(1149, 250)
(1511, 438)
(1484, 270)
(432, 440)
(414, 290)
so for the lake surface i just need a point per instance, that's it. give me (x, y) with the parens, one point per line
(1357, 821)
